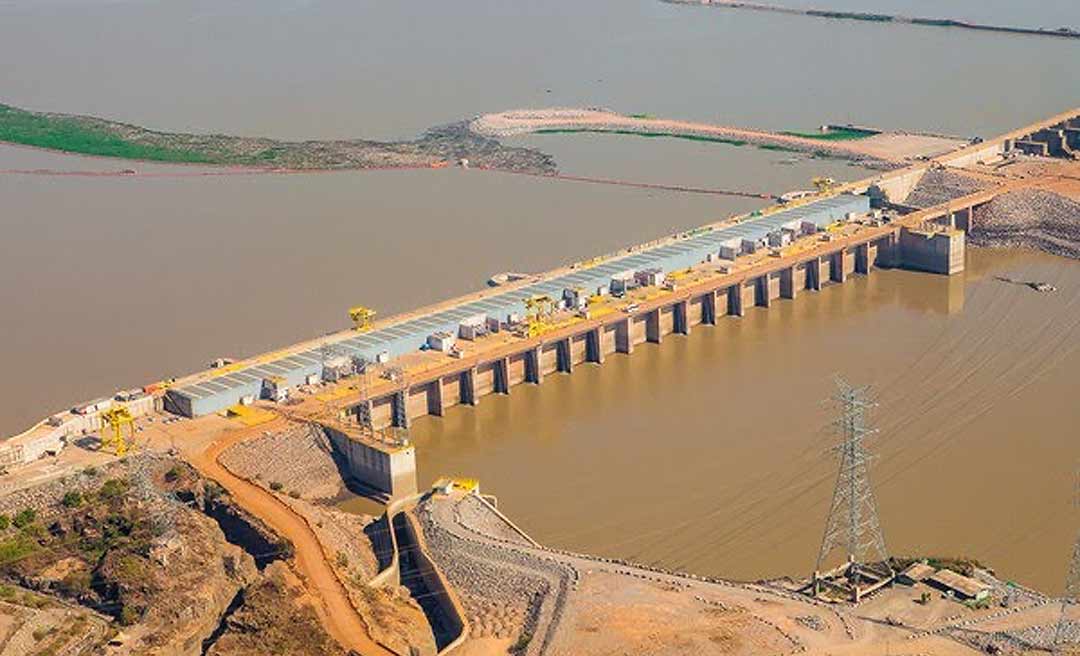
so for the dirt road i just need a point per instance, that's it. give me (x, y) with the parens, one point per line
(331, 600)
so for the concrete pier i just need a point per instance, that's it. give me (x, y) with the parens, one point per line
(594, 351)
(624, 343)
(813, 275)
(837, 271)
(533, 373)
(708, 309)
(681, 317)
(435, 398)
(935, 251)
(735, 300)
(469, 394)
(862, 259)
(652, 327)
(502, 376)
(564, 361)
(788, 289)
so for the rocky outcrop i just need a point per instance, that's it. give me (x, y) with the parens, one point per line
(272, 619)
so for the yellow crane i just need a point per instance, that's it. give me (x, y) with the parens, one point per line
(538, 313)
(116, 419)
(362, 317)
(824, 185)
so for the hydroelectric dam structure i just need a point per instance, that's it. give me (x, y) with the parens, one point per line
(364, 387)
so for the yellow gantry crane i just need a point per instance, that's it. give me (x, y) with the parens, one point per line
(117, 419)
(538, 313)
(824, 185)
(362, 318)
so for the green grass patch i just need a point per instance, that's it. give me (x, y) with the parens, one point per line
(16, 549)
(836, 134)
(782, 149)
(642, 133)
(73, 135)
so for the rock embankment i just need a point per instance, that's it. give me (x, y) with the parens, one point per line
(298, 460)
(1029, 219)
(506, 593)
(940, 186)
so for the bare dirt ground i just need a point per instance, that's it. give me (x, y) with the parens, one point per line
(588, 606)
(332, 600)
(889, 148)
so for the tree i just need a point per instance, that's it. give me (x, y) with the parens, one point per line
(72, 499)
(25, 518)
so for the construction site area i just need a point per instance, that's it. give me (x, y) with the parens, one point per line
(199, 515)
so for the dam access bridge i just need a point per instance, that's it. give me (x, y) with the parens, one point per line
(359, 386)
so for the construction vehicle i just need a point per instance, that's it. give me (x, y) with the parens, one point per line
(824, 185)
(116, 419)
(362, 318)
(539, 311)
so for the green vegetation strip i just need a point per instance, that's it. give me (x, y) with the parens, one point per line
(74, 135)
(642, 133)
(836, 134)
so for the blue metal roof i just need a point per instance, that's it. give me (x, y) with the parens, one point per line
(216, 394)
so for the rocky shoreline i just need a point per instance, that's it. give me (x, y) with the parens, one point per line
(88, 135)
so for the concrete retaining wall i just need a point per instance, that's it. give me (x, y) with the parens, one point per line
(391, 470)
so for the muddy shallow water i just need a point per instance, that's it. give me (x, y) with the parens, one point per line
(710, 452)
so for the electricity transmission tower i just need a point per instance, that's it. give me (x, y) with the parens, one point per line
(1072, 579)
(853, 524)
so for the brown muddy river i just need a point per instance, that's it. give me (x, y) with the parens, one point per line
(709, 452)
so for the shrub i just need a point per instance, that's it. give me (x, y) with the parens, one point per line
(174, 473)
(16, 549)
(72, 499)
(276, 486)
(25, 518)
(90, 471)
(294, 494)
(5, 522)
(113, 488)
(342, 559)
(128, 615)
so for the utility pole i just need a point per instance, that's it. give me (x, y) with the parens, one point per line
(853, 521)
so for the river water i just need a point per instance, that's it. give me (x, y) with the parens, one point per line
(710, 452)
(111, 282)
